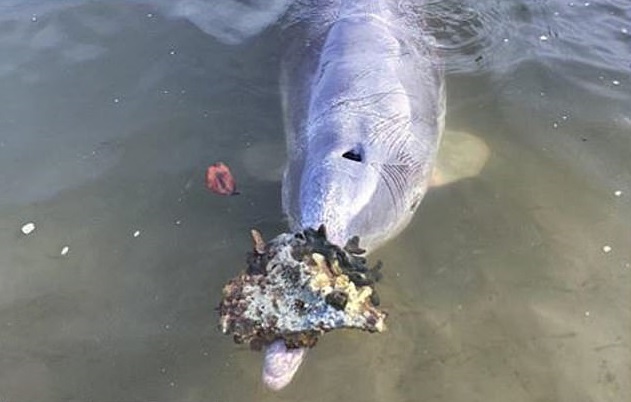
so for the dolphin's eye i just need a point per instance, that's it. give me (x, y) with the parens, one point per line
(355, 154)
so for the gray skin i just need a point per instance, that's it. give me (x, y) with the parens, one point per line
(364, 106)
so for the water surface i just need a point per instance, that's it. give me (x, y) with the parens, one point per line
(511, 284)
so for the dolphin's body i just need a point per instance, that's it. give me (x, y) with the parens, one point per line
(364, 112)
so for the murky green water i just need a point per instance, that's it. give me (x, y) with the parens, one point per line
(513, 284)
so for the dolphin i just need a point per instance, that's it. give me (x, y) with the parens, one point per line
(364, 105)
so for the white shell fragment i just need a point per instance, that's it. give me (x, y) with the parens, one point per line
(136, 233)
(606, 249)
(65, 250)
(28, 228)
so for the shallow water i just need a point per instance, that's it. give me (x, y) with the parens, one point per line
(512, 284)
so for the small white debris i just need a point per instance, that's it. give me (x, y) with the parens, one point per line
(615, 82)
(28, 228)
(178, 222)
(607, 249)
(34, 18)
(543, 38)
(149, 15)
(618, 193)
(505, 40)
(172, 52)
(624, 30)
(586, 4)
(65, 250)
(172, 384)
(587, 314)
(116, 100)
(564, 117)
(555, 125)
(137, 233)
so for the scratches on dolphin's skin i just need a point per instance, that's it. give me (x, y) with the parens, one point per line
(322, 70)
(395, 128)
(359, 103)
(395, 178)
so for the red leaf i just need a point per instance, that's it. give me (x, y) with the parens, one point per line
(220, 180)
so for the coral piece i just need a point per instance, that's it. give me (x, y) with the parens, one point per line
(297, 287)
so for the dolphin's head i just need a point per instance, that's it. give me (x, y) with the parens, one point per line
(353, 189)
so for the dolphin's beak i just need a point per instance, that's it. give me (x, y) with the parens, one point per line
(281, 364)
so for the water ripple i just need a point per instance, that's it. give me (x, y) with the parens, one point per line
(478, 36)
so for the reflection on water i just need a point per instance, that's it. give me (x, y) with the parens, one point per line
(514, 283)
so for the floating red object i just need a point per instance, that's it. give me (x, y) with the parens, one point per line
(220, 180)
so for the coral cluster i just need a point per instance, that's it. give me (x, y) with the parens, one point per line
(299, 286)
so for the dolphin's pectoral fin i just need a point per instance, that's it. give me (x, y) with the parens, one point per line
(461, 155)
